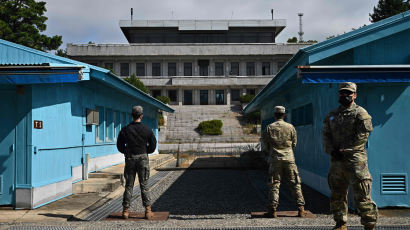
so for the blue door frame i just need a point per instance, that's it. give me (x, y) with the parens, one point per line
(7, 146)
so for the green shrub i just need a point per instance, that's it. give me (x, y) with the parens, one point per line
(137, 83)
(211, 127)
(246, 98)
(253, 118)
(161, 120)
(164, 99)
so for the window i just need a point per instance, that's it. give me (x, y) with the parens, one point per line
(250, 91)
(187, 97)
(219, 97)
(172, 94)
(172, 69)
(250, 68)
(155, 93)
(234, 69)
(109, 125)
(125, 69)
(280, 65)
(187, 69)
(203, 97)
(140, 69)
(302, 115)
(219, 68)
(265, 68)
(203, 67)
(117, 127)
(109, 66)
(99, 130)
(235, 94)
(156, 69)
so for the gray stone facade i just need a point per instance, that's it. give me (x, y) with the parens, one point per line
(193, 73)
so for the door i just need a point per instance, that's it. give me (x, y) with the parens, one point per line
(203, 96)
(220, 97)
(187, 97)
(7, 145)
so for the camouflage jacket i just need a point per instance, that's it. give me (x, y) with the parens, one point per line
(347, 130)
(279, 138)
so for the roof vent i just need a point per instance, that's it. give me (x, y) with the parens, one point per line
(394, 183)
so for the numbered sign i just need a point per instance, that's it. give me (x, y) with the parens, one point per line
(38, 124)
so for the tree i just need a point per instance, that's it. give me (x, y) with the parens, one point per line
(388, 8)
(292, 40)
(21, 21)
(61, 53)
(137, 83)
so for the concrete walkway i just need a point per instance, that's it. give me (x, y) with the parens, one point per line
(77, 205)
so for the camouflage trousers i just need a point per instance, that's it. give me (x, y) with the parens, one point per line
(138, 164)
(341, 175)
(289, 172)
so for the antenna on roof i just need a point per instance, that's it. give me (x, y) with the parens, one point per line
(132, 13)
(300, 27)
(271, 11)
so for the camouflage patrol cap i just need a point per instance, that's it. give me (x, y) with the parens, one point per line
(137, 111)
(348, 86)
(279, 109)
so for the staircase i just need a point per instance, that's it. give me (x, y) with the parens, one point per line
(182, 125)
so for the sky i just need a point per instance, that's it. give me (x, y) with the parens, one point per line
(81, 21)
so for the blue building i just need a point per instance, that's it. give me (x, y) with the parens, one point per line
(377, 58)
(59, 121)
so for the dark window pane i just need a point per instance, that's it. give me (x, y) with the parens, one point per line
(235, 94)
(109, 66)
(219, 68)
(250, 91)
(187, 97)
(155, 93)
(265, 68)
(203, 67)
(203, 97)
(172, 69)
(280, 65)
(125, 69)
(172, 94)
(140, 69)
(187, 69)
(250, 68)
(156, 69)
(220, 97)
(234, 69)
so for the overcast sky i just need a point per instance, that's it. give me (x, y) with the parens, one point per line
(81, 21)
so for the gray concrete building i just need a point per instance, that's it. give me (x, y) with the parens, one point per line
(195, 62)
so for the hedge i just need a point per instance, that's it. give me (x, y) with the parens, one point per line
(211, 127)
(246, 98)
(164, 99)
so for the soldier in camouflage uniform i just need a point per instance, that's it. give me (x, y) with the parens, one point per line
(345, 133)
(136, 141)
(279, 138)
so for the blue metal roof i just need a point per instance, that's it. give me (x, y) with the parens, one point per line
(15, 54)
(355, 73)
(325, 49)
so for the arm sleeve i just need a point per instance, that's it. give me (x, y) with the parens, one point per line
(121, 141)
(363, 128)
(327, 137)
(152, 143)
(294, 137)
(266, 139)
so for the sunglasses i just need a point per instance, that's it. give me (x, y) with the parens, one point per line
(345, 92)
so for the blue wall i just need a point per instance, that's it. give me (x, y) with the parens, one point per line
(387, 103)
(62, 109)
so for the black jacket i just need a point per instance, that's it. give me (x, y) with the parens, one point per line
(135, 139)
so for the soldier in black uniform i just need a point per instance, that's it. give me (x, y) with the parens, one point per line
(136, 141)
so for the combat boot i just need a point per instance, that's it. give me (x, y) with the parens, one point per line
(301, 211)
(369, 226)
(271, 213)
(125, 213)
(148, 213)
(340, 226)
